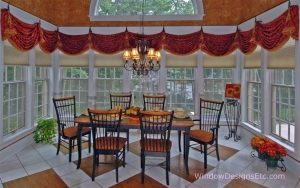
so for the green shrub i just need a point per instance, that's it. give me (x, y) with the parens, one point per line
(45, 131)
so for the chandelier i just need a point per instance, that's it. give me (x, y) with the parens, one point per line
(143, 59)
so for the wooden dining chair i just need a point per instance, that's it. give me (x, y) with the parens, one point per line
(151, 101)
(107, 144)
(207, 134)
(124, 101)
(155, 138)
(65, 109)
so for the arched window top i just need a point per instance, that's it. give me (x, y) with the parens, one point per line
(130, 10)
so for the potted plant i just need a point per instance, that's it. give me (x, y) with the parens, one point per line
(45, 131)
(257, 141)
(272, 152)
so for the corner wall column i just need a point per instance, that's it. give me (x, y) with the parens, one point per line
(30, 90)
(297, 99)
(199, 78)
(265, 94)
(1, 83)
(162, 73)
(56, 75)
(92, 81)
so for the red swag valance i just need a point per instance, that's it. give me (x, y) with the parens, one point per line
(270, 36)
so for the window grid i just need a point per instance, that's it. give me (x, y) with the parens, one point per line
(143, 85)
(75, 82)
(109, 80)
(254, 97)
(41, 93)
(180, 7)
(215, 81)
(13, 99)
(181, 89)
(283, 105)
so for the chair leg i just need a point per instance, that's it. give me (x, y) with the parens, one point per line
(127, 135)
(167, 168)
(94, 166)
(217, 150)
(205, 155)
(184, 146)
(58, 145)
(90, 142)
(169, 164)
(97, 160)
(141, 160)
(117, 169)
(124, 157)
(70, 150)
(143, 169)
(73, 143)
(179, 140)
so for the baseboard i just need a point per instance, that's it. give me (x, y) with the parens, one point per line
(16, 147)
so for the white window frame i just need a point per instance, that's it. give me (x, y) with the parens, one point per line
(175, 104)
(44, 93)
(281, 122)
(105, 102)
(81, 106)
(10, 83)
(249, 109)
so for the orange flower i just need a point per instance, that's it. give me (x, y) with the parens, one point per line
(257, 141)
(268, 148)
(237, 88)
(229, 92)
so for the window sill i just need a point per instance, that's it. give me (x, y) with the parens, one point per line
(12, 138)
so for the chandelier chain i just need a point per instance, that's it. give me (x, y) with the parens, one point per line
(144, 59)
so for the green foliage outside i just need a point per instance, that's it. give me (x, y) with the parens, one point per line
(181, 89)
(151, 7)
(45, 131)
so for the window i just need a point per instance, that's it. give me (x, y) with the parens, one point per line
(283, 105)
(41, 92)
(143, 85)
(254, 97)
(75, 82)
(109, 80)
(153, 10)
(181, 89)
(13, 99)
(133, 7)
(215, 81)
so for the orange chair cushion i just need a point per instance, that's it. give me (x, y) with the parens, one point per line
(72, 131)
(156, 145)
(201, 135)
(110, 143)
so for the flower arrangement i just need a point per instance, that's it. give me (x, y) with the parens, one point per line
(272, 150)
(267, 148)
(257, 141)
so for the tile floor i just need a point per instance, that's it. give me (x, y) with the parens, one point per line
(37, 158)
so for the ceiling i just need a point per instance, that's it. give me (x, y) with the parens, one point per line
(75, 13)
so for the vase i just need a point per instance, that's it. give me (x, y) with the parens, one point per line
(260, 155)
(272, 162)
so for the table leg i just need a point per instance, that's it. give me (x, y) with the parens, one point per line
(186, 149)
(79, 134)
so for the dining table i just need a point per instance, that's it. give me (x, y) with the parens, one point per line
(128, 122)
